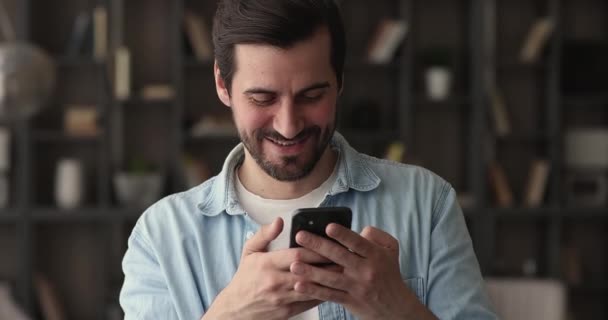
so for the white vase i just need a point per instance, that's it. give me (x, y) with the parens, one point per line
(69, 184)
(438, 83)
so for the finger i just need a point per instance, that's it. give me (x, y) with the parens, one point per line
(319, 292)
(259, 242)
(322, 276)
(299, 307)
(327, 248)
(283, 258)
(380, 238)
(350, 239)
(282, 283)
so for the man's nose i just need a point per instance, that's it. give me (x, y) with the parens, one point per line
(287, 121)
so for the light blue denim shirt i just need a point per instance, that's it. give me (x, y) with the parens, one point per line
(186, 248)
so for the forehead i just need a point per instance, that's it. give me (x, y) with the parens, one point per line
(307, 60)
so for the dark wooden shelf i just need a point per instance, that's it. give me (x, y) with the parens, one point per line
(361, 64)
(211, 137)
(369, 136)
(85, 214)
(516, 66)
(137, 102)
(9, 216)
(78, 62)
(589, 290)
(192, 63)
(53, 136)
(585, 101)
(532, 137)
(451, 103)
(547, 213)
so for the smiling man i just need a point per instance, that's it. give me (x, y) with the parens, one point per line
(220, 250)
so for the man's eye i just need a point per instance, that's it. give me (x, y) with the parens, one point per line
(313, 95)
(261, 99)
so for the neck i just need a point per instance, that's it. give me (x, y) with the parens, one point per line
(260, 183)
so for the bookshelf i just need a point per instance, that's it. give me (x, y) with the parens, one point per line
(80, 250)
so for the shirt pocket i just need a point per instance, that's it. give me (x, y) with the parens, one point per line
(416, 285)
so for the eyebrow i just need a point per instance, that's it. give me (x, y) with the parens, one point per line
(314, 86)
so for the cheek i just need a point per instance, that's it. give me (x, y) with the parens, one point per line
(248, 119)
(324, 115)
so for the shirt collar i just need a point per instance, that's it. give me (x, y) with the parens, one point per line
(353, 172)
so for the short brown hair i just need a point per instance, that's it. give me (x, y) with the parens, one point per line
(279, 23)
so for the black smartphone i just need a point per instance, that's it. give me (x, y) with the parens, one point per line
(315, 220)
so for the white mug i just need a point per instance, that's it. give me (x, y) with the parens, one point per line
(438, 83)
(69, 183)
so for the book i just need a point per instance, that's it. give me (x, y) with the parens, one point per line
(500, 185)
(388, 36)
(77, 41)
(536, 40)
(122, 74)
(100, 33)
(5, 149)
(395, 152)
(157, 92)
(81, 121)
(500, 116)
(48, 299)
(537, 183)
(198, 35)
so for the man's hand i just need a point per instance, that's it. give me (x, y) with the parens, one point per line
(262, 287)
(370, 285)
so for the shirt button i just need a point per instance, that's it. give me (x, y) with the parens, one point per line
(249, 235)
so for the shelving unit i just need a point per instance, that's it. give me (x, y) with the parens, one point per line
(80, 250)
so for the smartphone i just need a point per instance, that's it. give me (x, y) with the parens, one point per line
(315, 220)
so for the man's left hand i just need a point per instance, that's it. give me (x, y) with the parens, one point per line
(369, 285)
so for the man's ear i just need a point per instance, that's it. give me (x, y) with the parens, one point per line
(220, 86)
(341, 85)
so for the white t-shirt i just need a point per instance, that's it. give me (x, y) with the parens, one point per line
(264, 211)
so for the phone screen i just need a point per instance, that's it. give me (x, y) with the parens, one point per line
(315, 220)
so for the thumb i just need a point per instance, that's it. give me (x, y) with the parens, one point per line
(259, 242)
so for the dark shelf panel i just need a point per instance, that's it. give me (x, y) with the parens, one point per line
(84, 214)
(61, 137)
(515, 66)
(78, 62)
(212, 138)
(589, 290)
(452, 103)
(191, 63)
(9, 216)
(371, 136)
(138, 102)
(360, 64)
(533, 137)
(585, 101)
(547, 212)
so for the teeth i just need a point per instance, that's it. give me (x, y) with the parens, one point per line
(284, 143)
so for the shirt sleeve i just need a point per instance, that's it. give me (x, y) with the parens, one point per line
(455, 286)
(145, 294)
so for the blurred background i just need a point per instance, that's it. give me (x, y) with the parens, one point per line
(108, 105)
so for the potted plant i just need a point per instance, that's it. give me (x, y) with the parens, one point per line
(438, 72)
(139, 186)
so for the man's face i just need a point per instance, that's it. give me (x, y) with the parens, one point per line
(284, 104)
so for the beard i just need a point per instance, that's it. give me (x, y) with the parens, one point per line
(288, 168)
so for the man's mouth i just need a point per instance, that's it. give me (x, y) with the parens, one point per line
(287, 143)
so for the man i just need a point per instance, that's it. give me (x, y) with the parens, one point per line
(219, 251)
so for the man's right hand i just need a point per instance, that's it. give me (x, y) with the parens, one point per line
(262, 287)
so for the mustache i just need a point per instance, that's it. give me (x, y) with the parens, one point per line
(274, 135)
